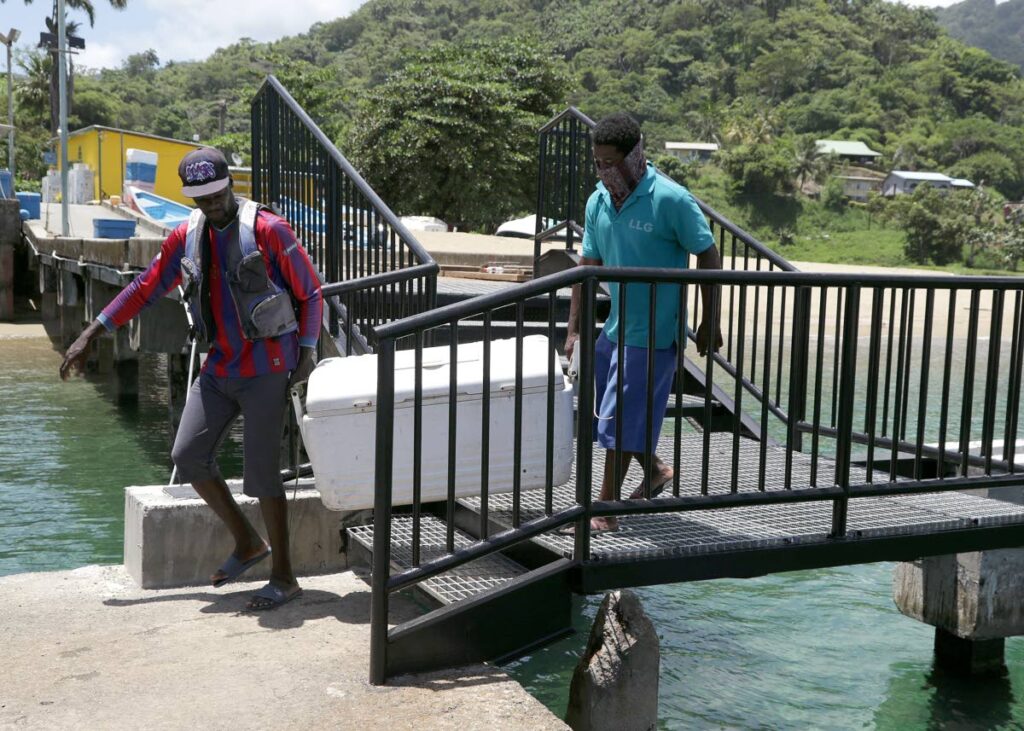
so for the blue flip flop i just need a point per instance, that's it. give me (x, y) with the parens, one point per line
(275, 595)
(235, 567)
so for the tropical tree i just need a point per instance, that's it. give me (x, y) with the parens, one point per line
(71, 27)
(808, 161)
(453, 133)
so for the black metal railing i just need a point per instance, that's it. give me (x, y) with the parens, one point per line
(902, 384)
(374, 268)
(566, 178)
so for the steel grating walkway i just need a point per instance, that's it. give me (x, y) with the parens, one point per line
(463, 582)
(727, 529)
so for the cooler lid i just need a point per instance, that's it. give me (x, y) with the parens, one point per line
(342, 384)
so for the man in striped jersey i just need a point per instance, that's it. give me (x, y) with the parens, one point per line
(243, 272)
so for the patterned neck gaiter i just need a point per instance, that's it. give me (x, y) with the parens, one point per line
(621, 178)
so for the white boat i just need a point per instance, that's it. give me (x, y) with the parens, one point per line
(161, 211)
(526, 228)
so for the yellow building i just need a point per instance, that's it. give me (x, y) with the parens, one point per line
(103, 149)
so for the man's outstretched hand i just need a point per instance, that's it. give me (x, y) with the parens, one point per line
(74, 358)
(303, 368)
(702, 338)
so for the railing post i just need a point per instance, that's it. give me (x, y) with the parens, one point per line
(574, 165)
(273, 158)
(256, 112)
(584, 418)
(382, 511)
(798, 374)
(539, 223)
(844, 425)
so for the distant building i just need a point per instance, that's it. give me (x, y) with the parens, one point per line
(857, 187)
(691, 151)
(848, 150)
(906, 181)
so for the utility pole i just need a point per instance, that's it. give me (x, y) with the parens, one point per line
(62, 50)
(223, 105)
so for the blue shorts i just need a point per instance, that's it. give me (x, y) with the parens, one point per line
(634, 393)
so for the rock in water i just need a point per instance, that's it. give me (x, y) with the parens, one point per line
(615, 685)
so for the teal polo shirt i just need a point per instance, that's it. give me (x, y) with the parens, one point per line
(659, 226)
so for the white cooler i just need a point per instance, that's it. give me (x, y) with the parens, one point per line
(340, 415)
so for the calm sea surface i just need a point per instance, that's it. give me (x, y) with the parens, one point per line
(815, 649)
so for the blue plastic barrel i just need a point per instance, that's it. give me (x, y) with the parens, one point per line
(30, 203)
(112, 228)
(6, 184)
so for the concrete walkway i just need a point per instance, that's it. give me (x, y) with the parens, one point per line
(88, 649)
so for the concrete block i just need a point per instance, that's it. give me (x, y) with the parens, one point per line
(975, 596)
(172, 538)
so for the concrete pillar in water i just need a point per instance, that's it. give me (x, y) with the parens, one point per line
(974, 601)
(48, 286)
(177, 389)
(615, 685)
(10, 234)
(71, 307)
(126, 367)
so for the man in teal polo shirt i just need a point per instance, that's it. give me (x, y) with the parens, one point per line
(638, 218)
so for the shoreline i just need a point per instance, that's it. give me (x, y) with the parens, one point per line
(22, 329)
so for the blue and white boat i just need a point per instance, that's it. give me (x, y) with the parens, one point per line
(161, 211)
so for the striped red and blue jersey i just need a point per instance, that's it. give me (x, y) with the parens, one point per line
(230, 354)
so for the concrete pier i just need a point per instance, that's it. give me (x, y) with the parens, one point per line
(89, 649)
(974, 601)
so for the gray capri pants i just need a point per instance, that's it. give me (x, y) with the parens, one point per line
(213, 404)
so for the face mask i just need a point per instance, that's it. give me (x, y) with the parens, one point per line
(621, 178)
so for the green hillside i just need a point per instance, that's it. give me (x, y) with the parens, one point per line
(762, 78)
(999, 29)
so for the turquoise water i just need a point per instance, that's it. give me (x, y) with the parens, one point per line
(67, 451)
(822, 649)
(815, 649)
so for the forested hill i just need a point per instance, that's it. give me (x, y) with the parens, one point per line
(761, 77)
(999, 29)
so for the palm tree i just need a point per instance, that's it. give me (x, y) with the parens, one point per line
(34, 86)
(71, 27)
(807, 160)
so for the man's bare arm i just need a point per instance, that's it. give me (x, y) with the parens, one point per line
(709, 321)
(573, 326)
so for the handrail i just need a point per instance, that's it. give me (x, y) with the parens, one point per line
(479, 305)
(394, 221)
(909, 450)
(374, 267)
(570, 112)
(742, 235)
(398, 275)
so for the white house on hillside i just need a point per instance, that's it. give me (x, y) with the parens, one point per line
(690, 151)
(906, 181)
(858, 187)
(848, 150)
